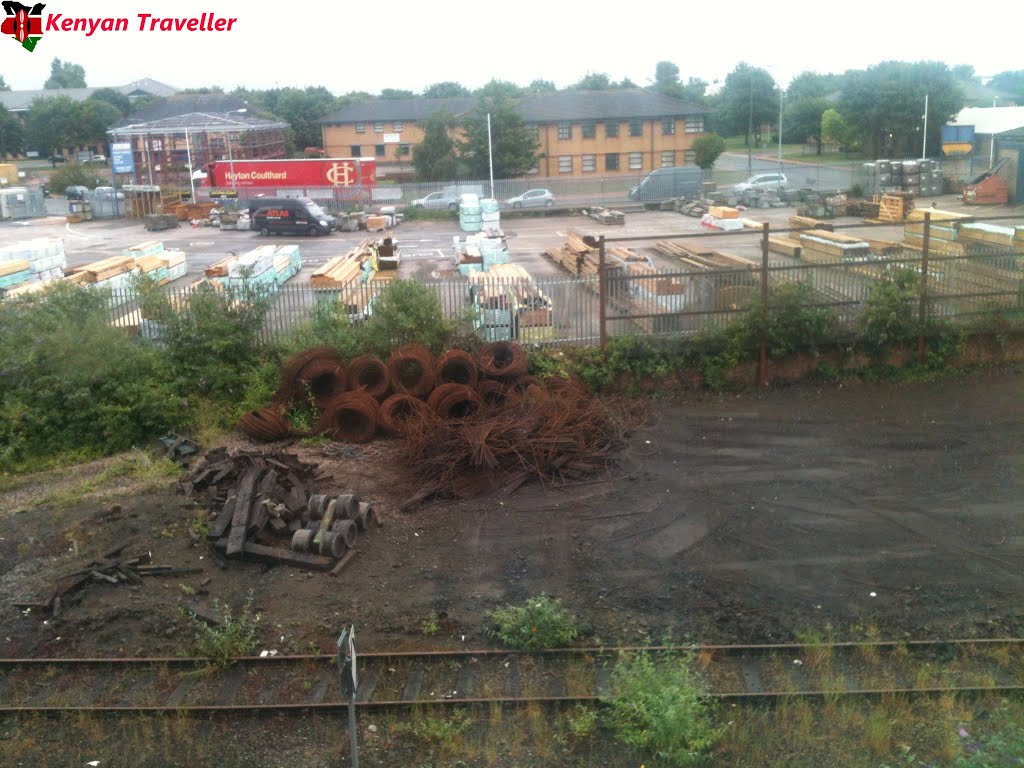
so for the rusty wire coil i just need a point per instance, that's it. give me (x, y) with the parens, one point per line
(454, 401)
(350, 417)
(524, 382)
(398, 411)
(322, 378)
(265, 425)
(411, 368)
(502, 359)
(456, 367)
(563, 387)
(369, 374)
(298, 371)
(493, 392)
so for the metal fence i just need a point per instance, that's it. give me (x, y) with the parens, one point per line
(958, 283)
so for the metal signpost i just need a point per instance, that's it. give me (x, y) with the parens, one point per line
(349, 678)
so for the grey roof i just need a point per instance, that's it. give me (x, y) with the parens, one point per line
(187, 103)
(196, 121)
(400, 109)
(540, 108)
(17, 101)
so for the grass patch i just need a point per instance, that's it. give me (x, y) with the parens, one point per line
(137, 468)
(540, 622)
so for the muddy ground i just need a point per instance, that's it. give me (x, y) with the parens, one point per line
(887, 508)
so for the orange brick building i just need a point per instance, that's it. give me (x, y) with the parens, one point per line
(578, 132)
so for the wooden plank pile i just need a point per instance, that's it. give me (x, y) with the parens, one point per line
(784, 245)
(264, 507)
(701, 257)
(943, 232)
(824, 247)
(575, 256)
(607, 215)
(806, 222)
(342, 269)
(893, 207)
(106, 569)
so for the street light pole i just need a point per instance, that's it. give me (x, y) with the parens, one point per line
(750, 126)
(780, 129)
(924, 142)
(191, 179)
(231, 159)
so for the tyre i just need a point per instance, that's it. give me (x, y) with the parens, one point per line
(517, 205)
(453, 206)
(549, 203)
(312, 230)
(265, 231)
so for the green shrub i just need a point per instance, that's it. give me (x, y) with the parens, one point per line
(662, 709)
(540, 622)
(1000, 750)
(71, 174)
(890, 315)
(406, 311)
(235, 636)
(438, 732)
(792, 322)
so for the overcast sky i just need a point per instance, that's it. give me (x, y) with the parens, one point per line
(409, 44)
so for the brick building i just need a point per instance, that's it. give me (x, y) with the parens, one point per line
(578, 132)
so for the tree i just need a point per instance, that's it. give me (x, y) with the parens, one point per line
(49, 122)
(499, 88)
(12, 134)
(119, 100)
(434, 158)
(666, 79)
(593, 81)
(90, 120)
(707, 149)
(3, 84)
(514, 145)
(64, 74)
(541, 86)
(884, 104)
(1011, 83)
(834, 128)
(748, 99)
(301, 108)
(446, 90)
(811, 85)
(802, 120)
(396, 93)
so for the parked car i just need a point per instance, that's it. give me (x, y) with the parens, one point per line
(532, 198)
(108, 192)
(76, 192)
(666, 183)
(762, 182)
(98, 159)
(289, 216)
(436, 201)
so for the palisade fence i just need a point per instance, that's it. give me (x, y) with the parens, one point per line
(577, 191)
(963, 285)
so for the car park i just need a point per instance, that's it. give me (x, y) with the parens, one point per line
(532, 198)
(762, 182)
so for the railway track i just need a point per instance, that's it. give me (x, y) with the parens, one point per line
(408, 679)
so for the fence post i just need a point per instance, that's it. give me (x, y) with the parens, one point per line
(923, 308)
(602, 295)
(762, 366)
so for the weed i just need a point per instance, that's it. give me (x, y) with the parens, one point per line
(998, 750)
(662, 709)
(582, 722)
(187, 589)
(878, 732)
(443, 733)
(235, 636)
(540, 622)
(145, 473)
(431, 625)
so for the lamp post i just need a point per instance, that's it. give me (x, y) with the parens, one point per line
(191, 178)
(231, 159)
(924, 140)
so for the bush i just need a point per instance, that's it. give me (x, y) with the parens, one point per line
(235, 636)
(541, 622)
(662, 709)
(69, 175)
(406, 311)
(890, 314)
(792, 322)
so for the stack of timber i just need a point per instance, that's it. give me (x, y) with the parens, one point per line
(45, 257)
(157, 263)
(806, 222)
(784, 245)
(607, 216)
(343, 269)
(575, 256)
(722, 217)
(982, 236)
(507, 296)
(700, 257)
(14, 273)
(824, 247)
(264, 507)
(943, 231)
(893, 208)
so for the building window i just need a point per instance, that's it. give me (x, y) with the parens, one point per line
(611, 130)
(536, 131)
(636, 127)
(636, 161)
(378, 127)
(611, 161)
(589, 163)
(668, 126)
(668, 158)
(397, 127)
(378, 150)
(695, 125)
(564, 131)
(156, 145)
(565, 163)
(360, 127)
(689, 156)
(590, 130)
(404, 149)
(356, 150)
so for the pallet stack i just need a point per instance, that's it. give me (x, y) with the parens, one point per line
(943, 232)
(701, 258)
(575, 256)
(806, 222)
(342, 269)
(823, 247)
(893, 208)
(156, 262)
(607, 216)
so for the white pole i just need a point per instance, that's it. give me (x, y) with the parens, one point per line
(231, 162)
(191, 181)
(992, 144)
(490, 153)
(924, 142)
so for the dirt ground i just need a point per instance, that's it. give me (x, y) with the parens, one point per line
(870, 508)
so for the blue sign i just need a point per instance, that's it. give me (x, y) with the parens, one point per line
(956, 134)
(122, 160)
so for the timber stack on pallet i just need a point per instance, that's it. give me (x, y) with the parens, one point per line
(261, 505)
(943, 232)
(700, 257)
(343, 269)
(822, 247)
(607, 216)
(806, 222)
(784, 245)
(893, 208)
(575, 256)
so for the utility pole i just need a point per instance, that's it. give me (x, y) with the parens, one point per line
(924, 143)
(750, 126)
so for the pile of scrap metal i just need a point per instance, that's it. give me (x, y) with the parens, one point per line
(469, 423)
(264, 507)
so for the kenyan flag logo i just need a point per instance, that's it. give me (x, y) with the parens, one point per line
(24, 24)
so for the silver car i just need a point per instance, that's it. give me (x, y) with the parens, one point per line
(436, 201)
(762, 182)
(533, 198)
